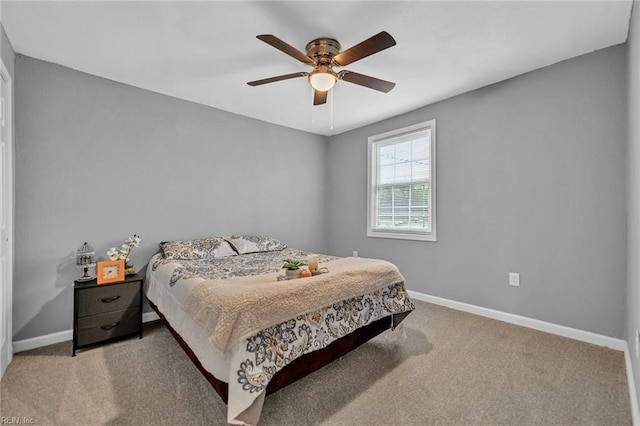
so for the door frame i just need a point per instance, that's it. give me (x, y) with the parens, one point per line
(6, 285)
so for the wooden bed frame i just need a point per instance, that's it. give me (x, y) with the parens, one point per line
(302, 366)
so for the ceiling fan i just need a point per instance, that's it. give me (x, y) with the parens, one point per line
(323, 54)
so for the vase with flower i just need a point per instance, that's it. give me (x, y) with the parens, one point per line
(124, 252)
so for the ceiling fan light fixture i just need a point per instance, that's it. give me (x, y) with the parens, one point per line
(322, 79)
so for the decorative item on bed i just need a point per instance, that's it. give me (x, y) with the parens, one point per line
(251, 333)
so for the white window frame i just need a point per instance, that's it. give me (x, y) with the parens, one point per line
(381, 139)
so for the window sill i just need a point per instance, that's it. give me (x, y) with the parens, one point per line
(402, 236)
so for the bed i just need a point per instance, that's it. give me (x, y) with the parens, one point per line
(249, 330)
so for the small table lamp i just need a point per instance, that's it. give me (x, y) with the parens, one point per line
(85, 258)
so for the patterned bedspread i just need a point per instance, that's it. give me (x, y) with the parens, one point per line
(254, 361)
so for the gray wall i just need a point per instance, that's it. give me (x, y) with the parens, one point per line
(98, 161)
(6, 51)
(633, 192)
(531, 179)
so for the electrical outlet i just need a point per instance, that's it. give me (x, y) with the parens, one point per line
(514, 279)
(355, 253)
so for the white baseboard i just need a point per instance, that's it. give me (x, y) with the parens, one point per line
(40, 341)
(560, 330)
(61, 336)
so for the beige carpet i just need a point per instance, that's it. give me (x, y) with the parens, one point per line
(452, 368)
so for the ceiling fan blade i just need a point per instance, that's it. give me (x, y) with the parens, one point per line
(277, 78)
(319, 97)
(286, 48)
(366, 81)
(375, 44)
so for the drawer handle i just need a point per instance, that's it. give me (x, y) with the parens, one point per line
(109, 327)
(110, 299)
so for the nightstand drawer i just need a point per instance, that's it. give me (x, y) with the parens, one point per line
(108, 298)
(96, 328)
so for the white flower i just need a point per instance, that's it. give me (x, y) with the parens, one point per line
(125, 249)
(133, 241)
(113, 254)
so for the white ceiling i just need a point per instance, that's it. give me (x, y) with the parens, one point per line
(206, 51)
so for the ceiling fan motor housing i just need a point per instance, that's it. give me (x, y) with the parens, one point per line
(322, 50)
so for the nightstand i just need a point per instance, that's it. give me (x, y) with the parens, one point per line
(106, 312)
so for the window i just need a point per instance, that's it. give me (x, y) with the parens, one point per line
(402, 183)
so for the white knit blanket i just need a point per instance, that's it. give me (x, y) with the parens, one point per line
(236, 308)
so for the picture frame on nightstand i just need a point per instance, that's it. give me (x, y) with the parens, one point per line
(110, 271)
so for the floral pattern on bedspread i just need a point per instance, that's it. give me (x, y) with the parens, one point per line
(233, 266)
(270, 350)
